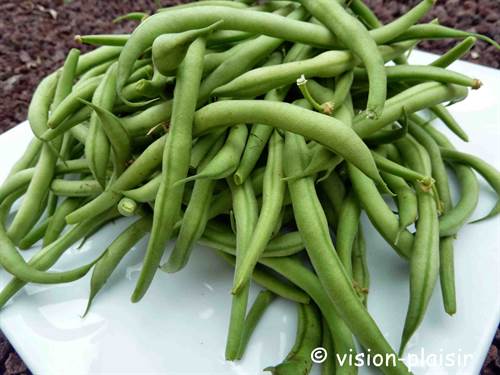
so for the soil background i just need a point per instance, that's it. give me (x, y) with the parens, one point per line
(36, 35)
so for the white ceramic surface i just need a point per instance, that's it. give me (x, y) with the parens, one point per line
(180, 326)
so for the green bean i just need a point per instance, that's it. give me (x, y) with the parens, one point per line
(169, 50)
(245, 216)
(406, 200)
(75, 188)
(132, 16)
(278, 286)
(49, 255)
(195, 217)
(487, 171)
(327, 64)
(222, 202)
(455, 53)
(347, 229)
(97, 145)
(57, 221)
(29, 157)
(446, 117)
(447, 274)
(114, 254)
(436, 31)
(34, 235)
(118, 40)
(225, 3)
(96, 57)
(137, 172)
(328, 366)
(280, 246)
(353, 34)
(380, 215)
(128, 207)
(243, 60)
(273, 195)
(455, 218)
(78, 117)
(203, 145)
(32, 205)
(24, 176)
(145, 193)
(38, 111)
(175, 163)
(387, 136)
(424, 259)
(71, 104)
(234, 19)
(308, 338)
(14, 263)
(68, 74)
(227, 159)
(97, 70)
(360, 272)
(412, 100)
(386, 165)
(337, 284)
(116, 134)
(260, 134)
(402, 73)
(324, 129)
(142, 122)
(365, 14)
(335, 192)
(261, 303)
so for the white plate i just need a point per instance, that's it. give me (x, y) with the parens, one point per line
(180, 326)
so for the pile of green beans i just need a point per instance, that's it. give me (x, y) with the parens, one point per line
(262, 130)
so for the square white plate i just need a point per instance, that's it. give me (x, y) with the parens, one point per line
(180, 326)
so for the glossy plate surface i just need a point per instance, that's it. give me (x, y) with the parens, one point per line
(180, 326)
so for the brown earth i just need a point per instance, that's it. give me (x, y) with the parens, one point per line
(36, 35)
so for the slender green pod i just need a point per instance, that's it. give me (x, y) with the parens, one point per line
(424, 259)
(259, 307)
(307, 338)
(169, 50)
(487, 171)
(347, 230)
(266, 279)
(245, 211)
(49, 255)
(57, 222)
(327, 64)
(195, 216)
(412, 100)
(114, 254)
(455, 53)
(273, 194)
(35, 235)
(175, 163)
(226, 161)
(325, 130)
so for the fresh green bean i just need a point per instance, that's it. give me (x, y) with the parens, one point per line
(278, 286)
(487, 171)
(261, 303)
(49, 255)
(175, 163)
(424, 259)
(114, 254)
(324, 129)
(195, 216)
(245, 211)
(308, 338)
(34, 235)
(273, 195)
